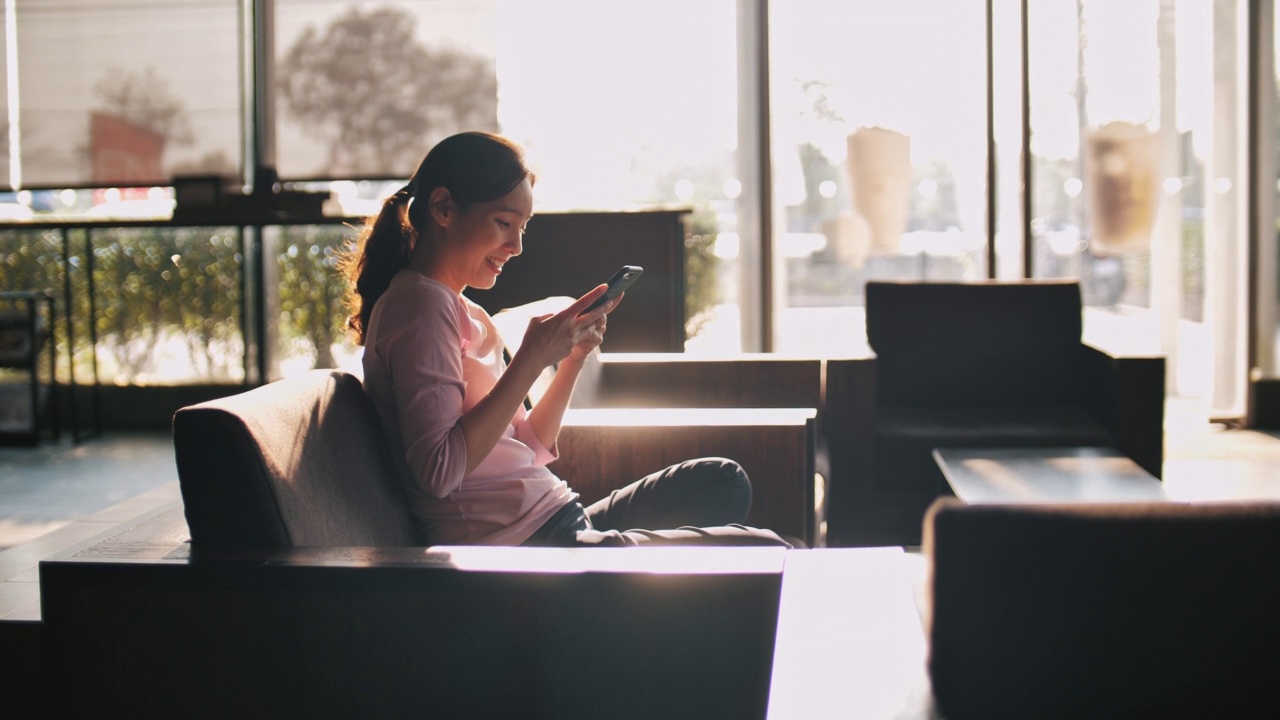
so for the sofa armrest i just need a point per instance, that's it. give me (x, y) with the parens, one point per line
(605, 449)
(1128, 393)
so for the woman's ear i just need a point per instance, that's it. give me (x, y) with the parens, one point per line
(441, 205)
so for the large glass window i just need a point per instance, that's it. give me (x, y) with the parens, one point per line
(304, 294)
(626, 106)
(877, 152)
(879, 149)
(125, 92)
(619, 106)
(167, 304)
(1137, 140)
(29, 260)
(362, 90)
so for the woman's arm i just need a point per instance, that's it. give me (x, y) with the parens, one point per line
(484, 424)
(563, 338)
(547, 416)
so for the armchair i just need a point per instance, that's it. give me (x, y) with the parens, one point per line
(1150, 610)
(987, 364)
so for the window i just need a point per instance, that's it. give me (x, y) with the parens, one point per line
(879, 157)
(878, 148)
(364, 90)
(1137, 117)
(123, 92)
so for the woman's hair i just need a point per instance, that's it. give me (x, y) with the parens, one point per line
(475, 167)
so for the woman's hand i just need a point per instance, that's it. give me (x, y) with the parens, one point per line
(595, 335)
(550, 338)
(585, 333)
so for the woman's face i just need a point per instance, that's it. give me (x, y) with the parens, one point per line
(480, 239)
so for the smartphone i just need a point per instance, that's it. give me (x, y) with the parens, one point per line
(620, 281)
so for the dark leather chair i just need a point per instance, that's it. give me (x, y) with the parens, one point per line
(985, 364)
(1152, 610)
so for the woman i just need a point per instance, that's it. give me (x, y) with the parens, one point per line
(434, 368)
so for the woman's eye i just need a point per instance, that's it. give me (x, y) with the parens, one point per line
(504, 223)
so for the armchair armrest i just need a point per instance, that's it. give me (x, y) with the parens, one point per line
(604, 449)
(1127, 393)
(850, 407)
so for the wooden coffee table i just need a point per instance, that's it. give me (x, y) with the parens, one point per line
(1046, 475)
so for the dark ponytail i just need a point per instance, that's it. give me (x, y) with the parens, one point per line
(474, 166)
(382, 250)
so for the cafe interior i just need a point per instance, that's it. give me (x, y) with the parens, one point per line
(984, 297)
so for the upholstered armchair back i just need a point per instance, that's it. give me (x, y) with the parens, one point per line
(1119, 611)
(302, 462)
(942, 344)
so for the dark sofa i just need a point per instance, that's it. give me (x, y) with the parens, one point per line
(297, 463)
(307, 593)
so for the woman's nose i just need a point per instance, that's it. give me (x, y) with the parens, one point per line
(516, 245)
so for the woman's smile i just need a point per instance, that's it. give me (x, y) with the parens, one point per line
(496, 263)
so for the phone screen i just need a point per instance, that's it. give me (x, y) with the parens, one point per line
(620, 281)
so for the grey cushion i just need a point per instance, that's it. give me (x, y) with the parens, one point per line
(299, 462)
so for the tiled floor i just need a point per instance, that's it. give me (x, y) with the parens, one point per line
(44, 488)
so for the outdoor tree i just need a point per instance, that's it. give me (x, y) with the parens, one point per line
(145, 99)
(312, 290)
(377, 97)
(157, 285)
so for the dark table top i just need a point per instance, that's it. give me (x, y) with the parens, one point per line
(1046, 475)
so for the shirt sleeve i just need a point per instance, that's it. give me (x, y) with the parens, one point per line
(524, 433)
(423, 350)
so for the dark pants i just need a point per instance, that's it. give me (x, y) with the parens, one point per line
(698, 502)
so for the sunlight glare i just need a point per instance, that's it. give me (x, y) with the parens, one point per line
(727, 246)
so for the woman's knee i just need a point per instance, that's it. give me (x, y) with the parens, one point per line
(730, 481)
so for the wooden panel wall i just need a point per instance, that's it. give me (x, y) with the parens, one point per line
(778, 458)
(738, 383)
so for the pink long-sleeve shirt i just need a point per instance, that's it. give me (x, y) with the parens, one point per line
(430, 356)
